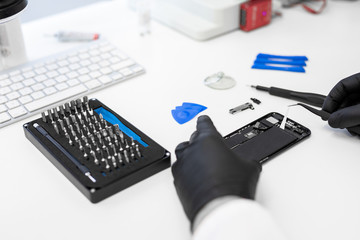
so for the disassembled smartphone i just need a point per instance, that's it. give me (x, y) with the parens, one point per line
(263, 138)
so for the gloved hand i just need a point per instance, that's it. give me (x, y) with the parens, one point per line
(207, 169)
(343, 102)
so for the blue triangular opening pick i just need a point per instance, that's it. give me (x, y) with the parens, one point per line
(186, 112)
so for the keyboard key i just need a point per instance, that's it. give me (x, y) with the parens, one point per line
(16, 86)
(116, 76)
(29, 74)
(126, 72)
(17, 78)
(124, 64)
(5, 82)
(12, 104)
(61, 78)
(52, 74)
(61, 86)
(63, 63)
(25, 91)
(57, 97)
(83, 71)
(4, 117)
(84, 78)
(95, 74)
(25, 99)
(72, 82)
(49, 82)
(4, 76)
(3, 99)
(3, 108)
(4, 90)
(17, 112)
(63, 70)
(40, 70)
(105, 79)
(29, 82)
(51, 66)
(13, 95)
(105, 71)
(49, 90)
(137, 69)
(72, 74)
(37, 95)
(38, 86)
(93, 84)
(40, 78)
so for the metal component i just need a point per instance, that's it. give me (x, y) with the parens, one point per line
(82, 134)
(104, 132)
(79, 104)
(61, 124)
(73, 119)
(56, 113)
(120, 158)
(86, 103)
(255, 100)
(50, 115)
(114, 150)
(80, 145)
(61, 109)
(126, 156)
(126, 144)
(77, 127)
(67, 120)
(69, 138)
(110, 130)
(109, 140)
(43, 116)
(132, 154)
(138, 150)
(56, 128)
(96, 161)
(113, 161)
(241, 108)
(67, 108)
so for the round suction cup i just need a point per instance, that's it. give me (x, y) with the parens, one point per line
(220, 81)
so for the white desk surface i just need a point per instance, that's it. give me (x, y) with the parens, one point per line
(312, 190)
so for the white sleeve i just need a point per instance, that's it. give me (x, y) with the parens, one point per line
(238, 218)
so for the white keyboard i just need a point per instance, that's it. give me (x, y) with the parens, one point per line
(36, 86)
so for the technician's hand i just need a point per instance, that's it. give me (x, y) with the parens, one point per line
(343, 102)
(206, 169)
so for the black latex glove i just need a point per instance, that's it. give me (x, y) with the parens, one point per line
(207, 169)
(343, 102)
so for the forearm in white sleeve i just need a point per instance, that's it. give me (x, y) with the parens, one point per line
(235, 218)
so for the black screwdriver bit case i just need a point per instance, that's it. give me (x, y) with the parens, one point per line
(154, 158)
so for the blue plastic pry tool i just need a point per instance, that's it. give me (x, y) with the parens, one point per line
(287, 62)
(272, 56)
(269, 67)
(186, 112)
(280, 62)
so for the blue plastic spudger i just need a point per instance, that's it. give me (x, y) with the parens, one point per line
(290, 69)
(268, 56)
(111, 118)
(286, 62)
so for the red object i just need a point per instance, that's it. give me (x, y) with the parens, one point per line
(254, 14)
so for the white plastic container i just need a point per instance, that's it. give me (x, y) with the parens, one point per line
(12, 47)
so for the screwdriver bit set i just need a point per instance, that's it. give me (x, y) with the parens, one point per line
(96, 149)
